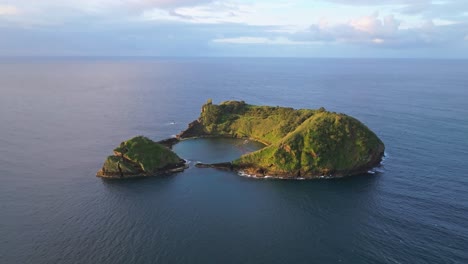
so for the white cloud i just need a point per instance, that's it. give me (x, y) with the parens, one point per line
(164, 3)
(213, 13)
(381, 32)
(261, 40)
(374, 25)
(378, 41)
(367, 29)
(254, 22)
(443, 22)
(8, 10)
(284, 15)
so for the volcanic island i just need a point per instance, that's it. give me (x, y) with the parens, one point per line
(299, 144)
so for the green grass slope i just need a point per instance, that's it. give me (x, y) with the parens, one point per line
(263, 123)
(325, 144)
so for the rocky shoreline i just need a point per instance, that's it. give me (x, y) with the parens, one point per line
(165, 171)
(257, 172)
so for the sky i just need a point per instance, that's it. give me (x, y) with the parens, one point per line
(241, 28)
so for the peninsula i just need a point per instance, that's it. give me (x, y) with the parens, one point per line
(300, 143)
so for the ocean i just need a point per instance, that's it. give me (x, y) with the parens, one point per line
(61, 117)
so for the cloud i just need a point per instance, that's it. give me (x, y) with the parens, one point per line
(213, 13)
(260, 40)
(376, 26)
(141, 5)
(427, 9)
(446, 9)
(226, 12)
(382, 33)
(168, 3)
(63, 11)
(175, 26)
(376, 2)
(8, 10)
(374, 34)
(367, 29)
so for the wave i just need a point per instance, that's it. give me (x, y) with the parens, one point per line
(379, 168)
(384, 158)
(269, 177)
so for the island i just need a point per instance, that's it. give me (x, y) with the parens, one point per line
(299, 143)
(141, 157)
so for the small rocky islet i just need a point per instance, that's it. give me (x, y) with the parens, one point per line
(139, 157)
(300, 144)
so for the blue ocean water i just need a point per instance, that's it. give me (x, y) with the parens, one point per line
(61, 117)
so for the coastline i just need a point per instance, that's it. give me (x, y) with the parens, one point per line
(179, 168)
(253, 172)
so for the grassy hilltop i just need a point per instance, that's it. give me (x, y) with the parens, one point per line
(300, 143)
(140, 156)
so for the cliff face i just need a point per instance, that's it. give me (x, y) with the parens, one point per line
(139, 157)
(300, 143)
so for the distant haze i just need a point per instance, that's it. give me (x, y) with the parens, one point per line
(295, 28)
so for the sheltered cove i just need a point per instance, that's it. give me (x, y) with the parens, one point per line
(300, 143)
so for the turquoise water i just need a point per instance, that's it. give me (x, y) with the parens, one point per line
(60, 118)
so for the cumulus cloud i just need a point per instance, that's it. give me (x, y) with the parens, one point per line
(374, 30)
(367, 29)
(376, 26)
(381, 32)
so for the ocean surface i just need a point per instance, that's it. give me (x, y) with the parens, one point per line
(60, 118)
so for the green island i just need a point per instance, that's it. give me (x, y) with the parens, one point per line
(300, 143)
(139, 157)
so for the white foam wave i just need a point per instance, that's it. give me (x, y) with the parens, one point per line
(244, 174)
(384, 158)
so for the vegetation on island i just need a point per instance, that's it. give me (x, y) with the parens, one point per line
(140, 156)
(300, 143)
